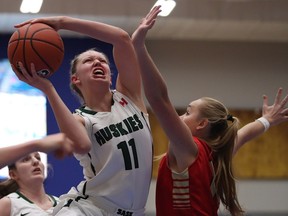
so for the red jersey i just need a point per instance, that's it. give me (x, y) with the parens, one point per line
(187, 193)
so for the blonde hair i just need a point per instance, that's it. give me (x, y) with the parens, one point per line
(221, 139)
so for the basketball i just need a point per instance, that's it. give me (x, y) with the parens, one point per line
(36, 43)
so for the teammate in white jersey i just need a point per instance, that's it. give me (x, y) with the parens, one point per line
(29, 198)
(111, 132)
(21, 205)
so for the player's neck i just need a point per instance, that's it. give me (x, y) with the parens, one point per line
(101, 105)
(40, 198)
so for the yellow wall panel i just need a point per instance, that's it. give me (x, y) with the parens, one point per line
(265, 157)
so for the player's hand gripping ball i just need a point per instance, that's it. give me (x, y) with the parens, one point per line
(36, 43)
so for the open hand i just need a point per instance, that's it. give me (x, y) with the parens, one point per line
(278, 112)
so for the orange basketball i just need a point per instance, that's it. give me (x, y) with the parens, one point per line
(36, 43)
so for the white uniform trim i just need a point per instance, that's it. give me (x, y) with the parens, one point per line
(21, 206)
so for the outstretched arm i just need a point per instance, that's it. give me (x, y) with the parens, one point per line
(271, 115)
(59, 144)
(181, 144)
(154, 85)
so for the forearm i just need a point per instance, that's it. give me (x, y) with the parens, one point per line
(154, 85)
(248, 132)
(67, 122)
(9, 155)
(98, 30)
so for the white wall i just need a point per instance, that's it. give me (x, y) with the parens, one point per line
(238, 74)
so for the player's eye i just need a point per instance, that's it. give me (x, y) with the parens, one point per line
(25, 159)
(103, 60)
(87, 60)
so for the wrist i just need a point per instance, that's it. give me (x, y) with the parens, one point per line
(264, 122)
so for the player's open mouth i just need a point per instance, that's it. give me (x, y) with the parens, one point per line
(37, 170)
(98, 72)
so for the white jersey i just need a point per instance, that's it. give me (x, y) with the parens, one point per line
(118, 168)
(21, 205)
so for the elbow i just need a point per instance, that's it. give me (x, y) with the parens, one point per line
(83, 148)
(123, 37)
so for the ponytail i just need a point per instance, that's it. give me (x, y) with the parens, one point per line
(224, 177)
(222, 137)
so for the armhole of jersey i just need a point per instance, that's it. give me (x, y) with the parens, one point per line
(87, 122)
(117, 95)
(88, 127)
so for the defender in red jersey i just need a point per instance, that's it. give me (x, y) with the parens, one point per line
(197, 172)
(182, 193)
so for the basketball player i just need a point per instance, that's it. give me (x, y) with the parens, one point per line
(57, 143)
(111, 131)
(25, 193)
(196, 172)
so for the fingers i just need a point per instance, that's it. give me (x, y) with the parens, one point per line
(149, 13)
(16, 71)
(23, 71)
(31, 21)
(153, 11)
(284, 101)
(278, 96)
(33, 70)
(285, 112)
(21, 24)
(58, 154)
(65, 150)
(265, 101)
(24, 23)
(277, 100)
(157, 10)
(150, 19)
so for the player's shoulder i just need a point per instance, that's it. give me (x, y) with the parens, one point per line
(5, 206)
(13, 195)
